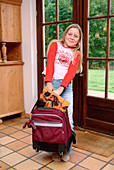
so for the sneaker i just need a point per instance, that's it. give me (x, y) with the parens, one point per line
(65, 158)
(56, 157)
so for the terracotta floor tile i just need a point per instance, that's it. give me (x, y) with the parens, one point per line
(16, 145)
(112, 162)
(109, 167)
(45, 168)
(1, 135)
(60, 165)
(10, 122)
(28, 130)
(43, 158)
(19, 135)
(27, 139)
(3, 166)
(19, 126)
(28, 165)
(24, 120)
(92, 163)
(13, 159)
(9, 130)
(28, 151)
(2, 126)
(76, 157)
(107, 159)
(4, 151)
(82, 151)
(6, 139)
(78, 168)
(18, 119)
(18, 153)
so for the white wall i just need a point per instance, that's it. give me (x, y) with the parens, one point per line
(29, 53)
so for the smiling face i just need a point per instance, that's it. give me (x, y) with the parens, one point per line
(72, 37)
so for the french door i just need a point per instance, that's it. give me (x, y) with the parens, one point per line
(94, 88)
(53, 16)
(98, 80)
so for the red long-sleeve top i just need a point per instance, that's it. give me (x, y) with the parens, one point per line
(51, 56)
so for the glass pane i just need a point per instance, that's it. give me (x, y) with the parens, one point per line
(111, 80)
(45, 63)
(112, 6)
(96, 78)
(62, 28)
(49, 11)
(65, 10)
(97, 8)
(49, 34)
(112, 38)
(97, 38)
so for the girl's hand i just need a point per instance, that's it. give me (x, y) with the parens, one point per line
(59, 90)
(49, 86)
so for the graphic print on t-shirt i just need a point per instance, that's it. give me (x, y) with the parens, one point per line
(63, 58)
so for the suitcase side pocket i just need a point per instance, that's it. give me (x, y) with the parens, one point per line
(49, 128)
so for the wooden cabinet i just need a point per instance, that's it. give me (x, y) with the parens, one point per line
(10, 30)
(11, 64)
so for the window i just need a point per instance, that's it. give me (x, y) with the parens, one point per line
(57, 15)
(101, 49)
(52, 19)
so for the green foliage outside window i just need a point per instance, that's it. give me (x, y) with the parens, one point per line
(97, 37)
(97, 27)
(65, 13)
(98, 33)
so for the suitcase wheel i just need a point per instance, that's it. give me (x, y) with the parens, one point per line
(37, 149)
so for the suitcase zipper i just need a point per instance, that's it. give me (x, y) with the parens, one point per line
(49, 124)
(47, 115)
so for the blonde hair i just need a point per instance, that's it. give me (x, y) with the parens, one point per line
(78, 47)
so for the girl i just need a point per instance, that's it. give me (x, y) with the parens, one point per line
(64, 59)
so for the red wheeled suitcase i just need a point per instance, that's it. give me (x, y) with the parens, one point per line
(51, 130)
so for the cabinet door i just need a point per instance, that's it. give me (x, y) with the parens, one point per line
(11, 90)
(10, 23)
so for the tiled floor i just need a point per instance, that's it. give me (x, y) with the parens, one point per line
(16, 152)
